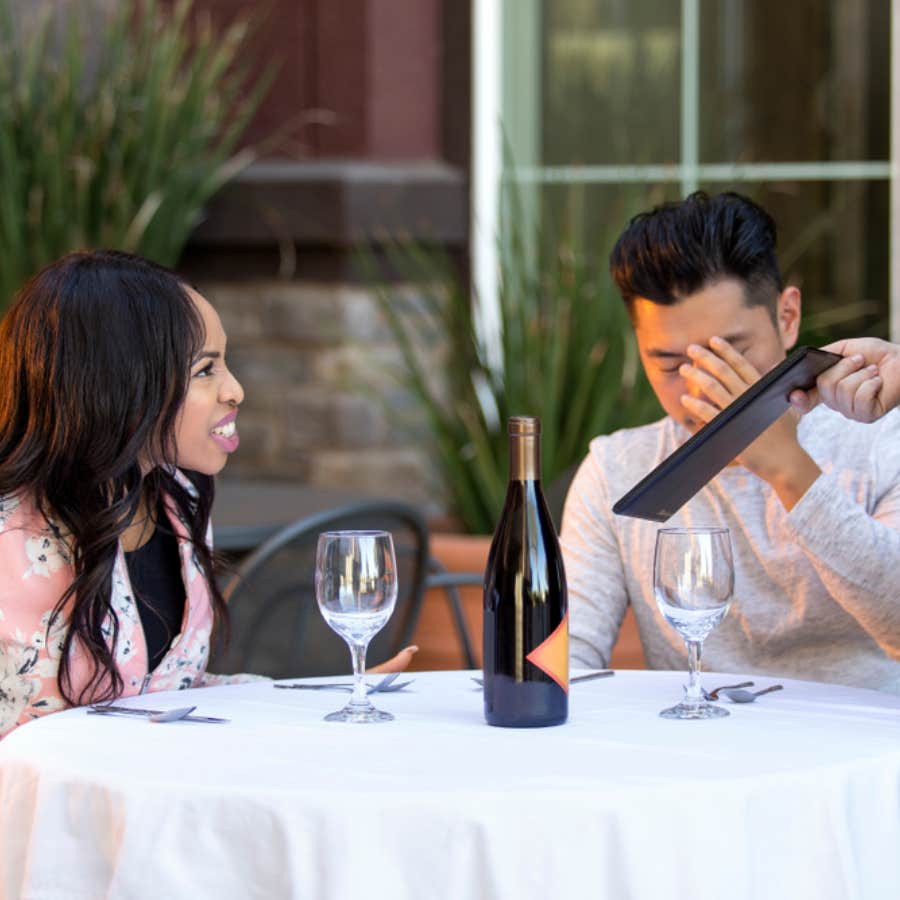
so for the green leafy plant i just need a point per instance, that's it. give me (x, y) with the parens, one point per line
(114, 136)
(565, 354)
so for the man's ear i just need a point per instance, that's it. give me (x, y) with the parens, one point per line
(787, 316)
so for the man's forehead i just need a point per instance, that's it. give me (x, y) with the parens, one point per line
(718, 309)
(660, 350)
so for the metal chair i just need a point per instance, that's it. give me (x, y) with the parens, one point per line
(276, 626)
(450, 582)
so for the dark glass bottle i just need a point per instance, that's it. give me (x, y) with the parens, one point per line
(526, 627)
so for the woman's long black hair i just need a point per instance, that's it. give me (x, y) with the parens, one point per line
(95, 359)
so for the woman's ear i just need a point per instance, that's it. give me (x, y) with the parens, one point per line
(787, 316)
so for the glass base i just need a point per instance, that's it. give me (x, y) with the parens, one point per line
(360, 715)
(698, 711)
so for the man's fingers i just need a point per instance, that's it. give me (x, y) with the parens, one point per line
(866, 401)
(837, 346)
(736, 360)
(719, 368)
(707, 384)
(804, 400)
(698, 408)
(843, 393)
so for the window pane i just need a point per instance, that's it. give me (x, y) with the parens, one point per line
(611, 86)
(807, 80)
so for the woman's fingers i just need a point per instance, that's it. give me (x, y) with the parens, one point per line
(397, 663)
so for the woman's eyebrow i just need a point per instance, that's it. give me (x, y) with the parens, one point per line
(206, 354)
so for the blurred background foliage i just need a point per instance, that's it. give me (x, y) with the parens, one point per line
(565, 353)
(117, 123)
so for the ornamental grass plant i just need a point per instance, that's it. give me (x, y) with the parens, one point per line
(565, 353)
(118, 122)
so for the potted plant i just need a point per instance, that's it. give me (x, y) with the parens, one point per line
(565, 353)
(117, 124)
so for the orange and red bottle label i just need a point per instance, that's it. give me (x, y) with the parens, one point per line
(552, 655)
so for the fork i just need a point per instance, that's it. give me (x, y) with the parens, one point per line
(385, 686)
(110, 710)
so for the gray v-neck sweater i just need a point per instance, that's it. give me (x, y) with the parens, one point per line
(817, 590)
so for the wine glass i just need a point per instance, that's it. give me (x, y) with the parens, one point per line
(693, 580)
(356, 587)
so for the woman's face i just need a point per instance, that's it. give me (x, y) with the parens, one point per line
(206, 428)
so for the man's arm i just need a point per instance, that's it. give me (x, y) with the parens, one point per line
(594, 573)
(854, 552)
(863, 386)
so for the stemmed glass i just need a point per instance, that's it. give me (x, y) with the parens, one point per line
(356, 587)
(693, 580)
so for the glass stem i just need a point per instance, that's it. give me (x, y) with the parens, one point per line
(358, 652)
(692, 695)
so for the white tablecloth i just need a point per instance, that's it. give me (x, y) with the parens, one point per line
(795, 796)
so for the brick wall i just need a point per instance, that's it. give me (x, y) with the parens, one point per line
(321, 405)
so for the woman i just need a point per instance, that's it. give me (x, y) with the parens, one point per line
(116, 411)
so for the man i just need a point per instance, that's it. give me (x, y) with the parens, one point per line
(863, 386)
(813, 505)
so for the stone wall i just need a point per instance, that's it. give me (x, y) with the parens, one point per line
(321, 404)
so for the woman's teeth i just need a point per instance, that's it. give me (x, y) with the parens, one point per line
(224, 430)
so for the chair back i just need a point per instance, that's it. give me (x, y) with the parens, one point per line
(276, 626)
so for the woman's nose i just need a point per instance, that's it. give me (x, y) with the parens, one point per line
(232, 392)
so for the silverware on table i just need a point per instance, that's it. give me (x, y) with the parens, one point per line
(750, 696)
(385, 686)
(604, 673)
(104, 709)
(714, 693)
(172, 715)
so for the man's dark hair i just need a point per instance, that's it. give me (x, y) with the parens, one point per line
(677, 249)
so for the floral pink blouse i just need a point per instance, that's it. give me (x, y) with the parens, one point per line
(35, 570)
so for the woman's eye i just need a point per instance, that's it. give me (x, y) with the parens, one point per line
(205, 372)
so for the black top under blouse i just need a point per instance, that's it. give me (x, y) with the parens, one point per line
(155, 573)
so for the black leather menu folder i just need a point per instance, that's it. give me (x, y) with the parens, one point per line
(678, 477)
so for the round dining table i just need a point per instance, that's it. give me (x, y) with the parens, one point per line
(796, 795)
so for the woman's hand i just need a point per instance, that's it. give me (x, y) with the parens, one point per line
(396, 663)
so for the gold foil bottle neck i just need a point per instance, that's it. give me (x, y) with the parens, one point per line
(524, 425)
(524, 448)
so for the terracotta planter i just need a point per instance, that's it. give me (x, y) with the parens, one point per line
(627, 652)
(436, 635)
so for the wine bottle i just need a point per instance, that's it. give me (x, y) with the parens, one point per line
(526, 627)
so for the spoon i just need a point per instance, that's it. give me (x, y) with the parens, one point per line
(749, 696)
(172, 715)
(714, 693)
